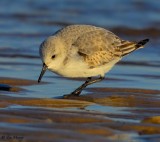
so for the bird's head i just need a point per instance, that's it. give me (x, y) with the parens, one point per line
(51, 52)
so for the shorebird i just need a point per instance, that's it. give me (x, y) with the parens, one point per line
(84, 51)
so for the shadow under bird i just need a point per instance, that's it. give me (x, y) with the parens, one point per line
(84, 51)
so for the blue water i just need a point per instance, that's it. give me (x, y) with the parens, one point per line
(24, 24)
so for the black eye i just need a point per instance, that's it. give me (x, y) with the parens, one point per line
(53, 56)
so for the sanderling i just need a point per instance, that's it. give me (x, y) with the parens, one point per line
(84, 51)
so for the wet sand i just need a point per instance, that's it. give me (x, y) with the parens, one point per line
(66, 119)
(125, 107)
(99, 114)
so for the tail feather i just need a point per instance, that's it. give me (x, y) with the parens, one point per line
(128, 47)
(141, 43)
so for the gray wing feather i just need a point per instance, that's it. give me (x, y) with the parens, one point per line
(98, 47)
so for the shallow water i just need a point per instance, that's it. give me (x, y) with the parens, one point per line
(24, 24)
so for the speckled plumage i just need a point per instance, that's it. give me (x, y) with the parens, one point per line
(84, 50)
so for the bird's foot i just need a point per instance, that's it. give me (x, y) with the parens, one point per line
(76, 93)
(73, 94)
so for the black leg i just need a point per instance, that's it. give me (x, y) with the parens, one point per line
(84, 85)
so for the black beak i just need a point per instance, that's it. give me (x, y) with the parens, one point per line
(44, 68)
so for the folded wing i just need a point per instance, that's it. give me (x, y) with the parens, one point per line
(98, 47)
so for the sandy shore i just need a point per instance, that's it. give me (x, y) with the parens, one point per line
(45, 120)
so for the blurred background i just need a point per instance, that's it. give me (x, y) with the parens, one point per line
(24, 24)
